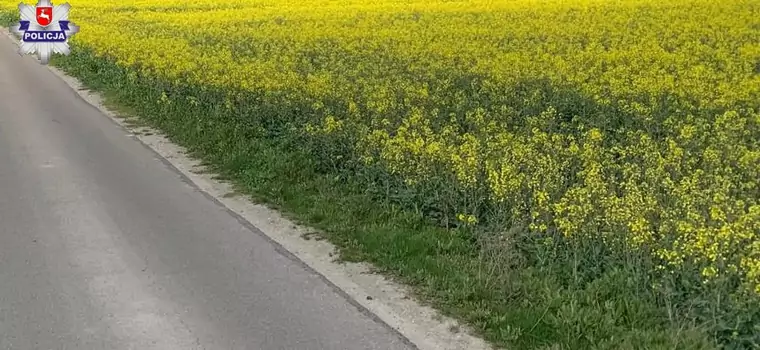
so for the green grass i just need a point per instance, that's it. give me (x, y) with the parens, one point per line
(507, 289)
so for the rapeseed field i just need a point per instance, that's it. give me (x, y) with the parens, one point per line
(591, 138)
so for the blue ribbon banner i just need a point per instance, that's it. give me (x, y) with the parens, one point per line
(44, 36)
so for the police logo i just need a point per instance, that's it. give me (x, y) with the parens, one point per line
(44, 29)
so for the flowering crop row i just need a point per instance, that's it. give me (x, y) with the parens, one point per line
(633, 122)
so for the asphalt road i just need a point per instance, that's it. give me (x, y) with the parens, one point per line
(104, 246)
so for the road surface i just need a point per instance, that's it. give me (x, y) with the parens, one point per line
(104, 246)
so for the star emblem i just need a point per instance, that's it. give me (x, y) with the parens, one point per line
(59, 23)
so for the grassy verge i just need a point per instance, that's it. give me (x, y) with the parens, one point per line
(511, 292)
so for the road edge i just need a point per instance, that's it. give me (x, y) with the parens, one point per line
(390, 302)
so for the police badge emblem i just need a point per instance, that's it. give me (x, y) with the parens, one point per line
(44, 29)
